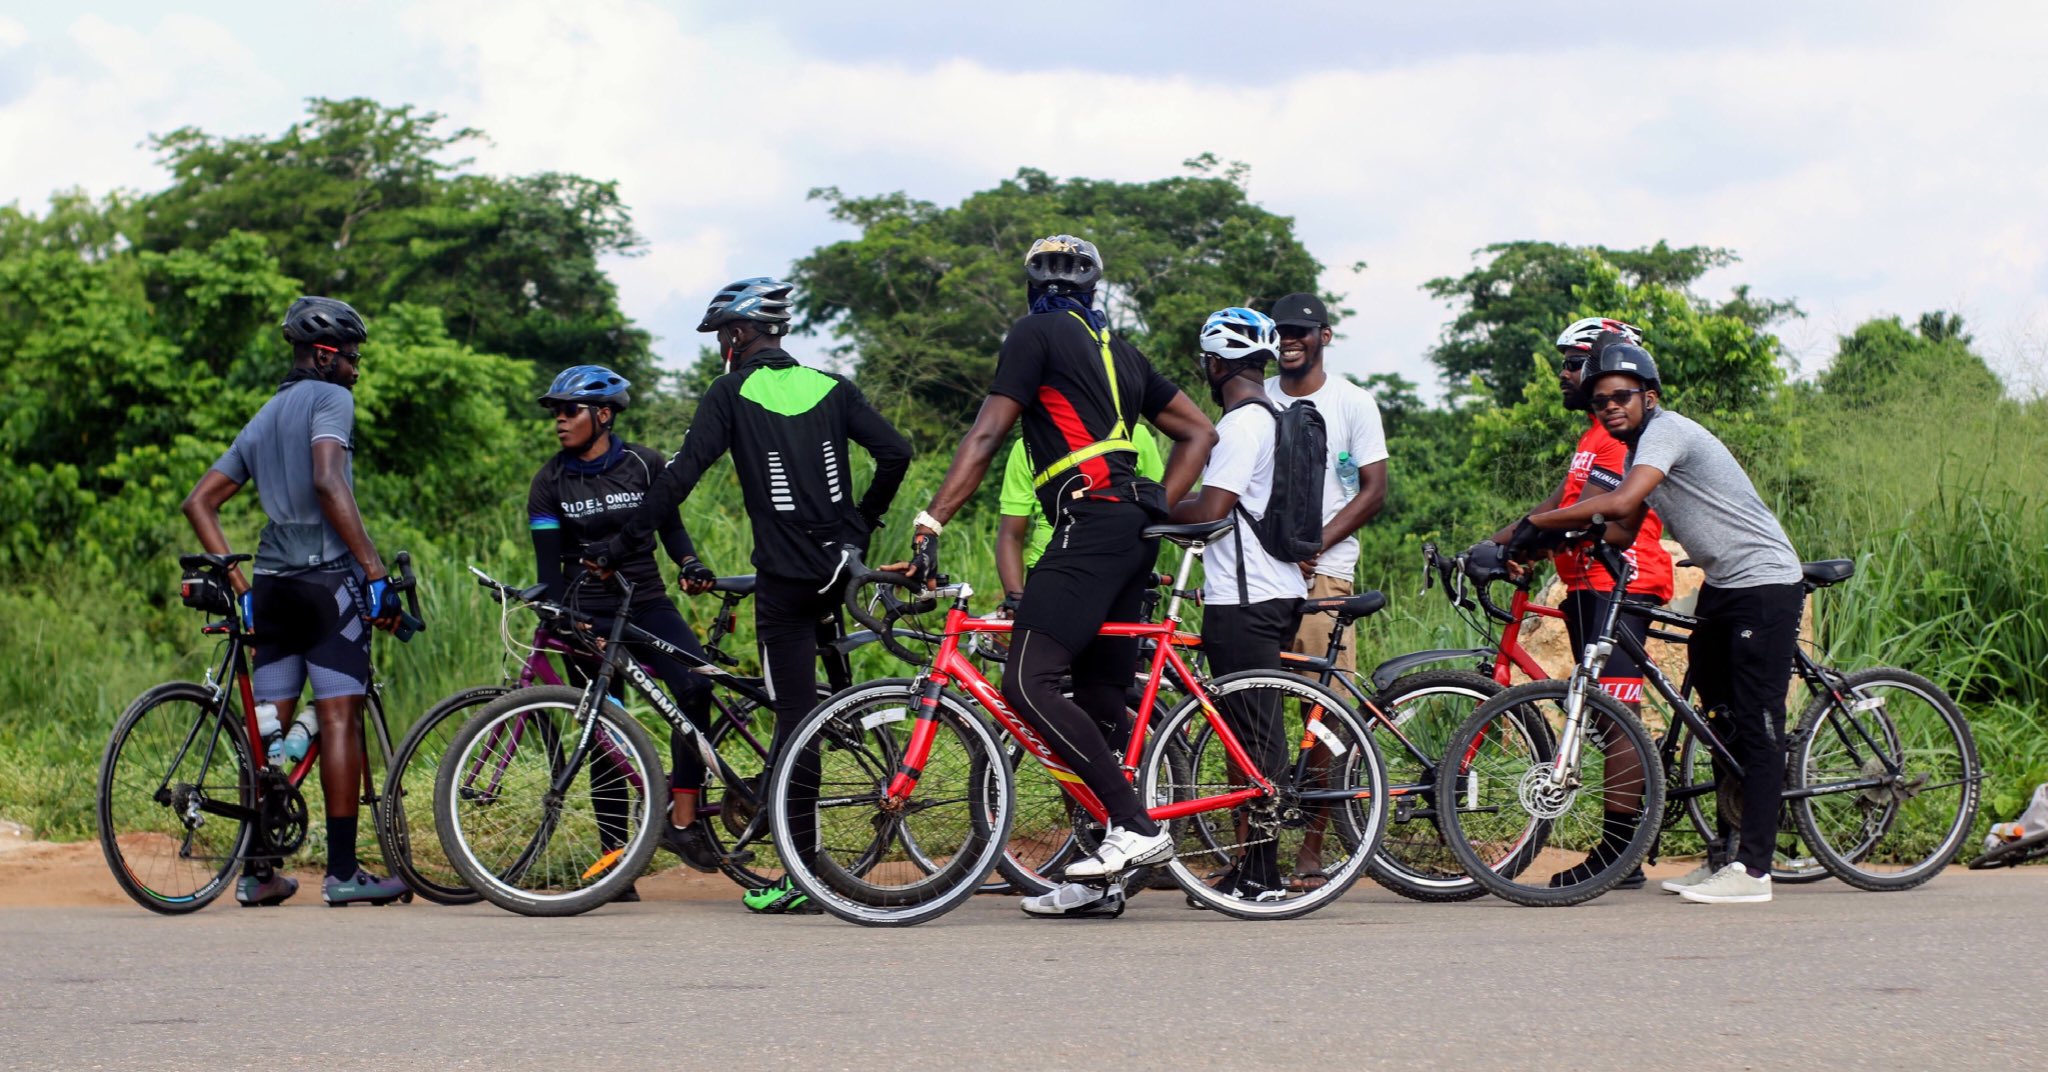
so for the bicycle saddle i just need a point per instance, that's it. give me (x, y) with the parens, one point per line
(737, 586)
(192, 562)
(1829, 571)
(1199, 531)
(1362, 605)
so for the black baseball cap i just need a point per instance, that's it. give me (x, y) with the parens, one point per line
(1300, 311)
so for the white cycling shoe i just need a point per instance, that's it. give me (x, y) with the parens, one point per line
(1076, 900)
(1122, 850)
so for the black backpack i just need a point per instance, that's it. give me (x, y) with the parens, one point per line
(1292, 530)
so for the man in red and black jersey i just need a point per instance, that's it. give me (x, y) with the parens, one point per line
(1079, 391)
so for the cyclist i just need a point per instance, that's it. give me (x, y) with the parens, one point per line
(1023, 530)
(1079, 391)
(319, 579)
(786, 427)
(1251, 600)
(1741, 654)
(1596, 467)
(584, 494)
(1353, 492)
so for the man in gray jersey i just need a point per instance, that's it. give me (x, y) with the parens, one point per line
(319, 581)
(1749, 606)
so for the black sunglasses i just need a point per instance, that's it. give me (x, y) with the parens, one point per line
(1575, 362)
(565, 409)
(1619, 398)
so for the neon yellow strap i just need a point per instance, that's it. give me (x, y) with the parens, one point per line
(1119, 438)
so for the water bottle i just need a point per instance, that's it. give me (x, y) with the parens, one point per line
(266, 724)
(1347, 475)
(300, 740)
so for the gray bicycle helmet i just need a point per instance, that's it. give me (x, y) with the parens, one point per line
(1623, 358)
(1064, 262)
(323, 322)
(761, 299)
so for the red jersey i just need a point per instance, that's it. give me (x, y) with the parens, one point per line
(1600, 461)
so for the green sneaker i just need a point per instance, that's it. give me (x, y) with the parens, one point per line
(780, 899)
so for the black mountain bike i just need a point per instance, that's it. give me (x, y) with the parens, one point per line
(1881, 779)
(187, 793)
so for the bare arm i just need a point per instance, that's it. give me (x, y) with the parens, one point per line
(338, 505)
(1209, 504)
(1363, 507)
(1012, 533)
(1624, 507)
(970, 463)
(202, 509)
(1194, 436)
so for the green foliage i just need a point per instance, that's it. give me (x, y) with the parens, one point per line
(1882, 362)
(925, 295)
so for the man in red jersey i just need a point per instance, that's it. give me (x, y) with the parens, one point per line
(1596, 469)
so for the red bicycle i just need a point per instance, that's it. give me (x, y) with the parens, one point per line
(906, 837)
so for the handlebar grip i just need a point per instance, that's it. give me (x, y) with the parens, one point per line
(407, 584)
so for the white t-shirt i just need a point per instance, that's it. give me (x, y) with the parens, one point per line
(1352, 419)
(1243, 462)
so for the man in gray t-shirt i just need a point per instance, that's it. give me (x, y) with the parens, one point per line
(319, 582)
(1741, 653)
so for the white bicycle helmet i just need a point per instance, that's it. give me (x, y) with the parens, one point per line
(1239, 334)
(1578, 338)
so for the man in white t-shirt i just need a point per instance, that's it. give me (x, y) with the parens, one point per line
(1356, 484)
(1251, 600)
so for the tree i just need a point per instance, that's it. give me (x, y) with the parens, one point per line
(925, 295)
(1882, 361)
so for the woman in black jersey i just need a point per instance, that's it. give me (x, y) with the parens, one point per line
(586, 493)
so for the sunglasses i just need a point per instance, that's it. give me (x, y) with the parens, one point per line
(351, 356)
(1619, 398)
(1295, 331)
(566, 409)
(1575, 363)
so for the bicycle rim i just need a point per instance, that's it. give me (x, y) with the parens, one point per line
(1532, 834)
(1903, 733)
(413, 838)
(1792, 862)
(522, 846)
(1415, 860)
(742, 734)
(1259, 860)
(169, 752)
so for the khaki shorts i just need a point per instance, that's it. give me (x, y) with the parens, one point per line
(1313, 639)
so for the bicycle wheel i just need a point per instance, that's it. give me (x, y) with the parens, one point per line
(411, 839)
(1888, 782)
(1327, 808)
(1533, 834)
(1792, 862)
(519, 843)
(877, 862)
(742, 733)
(171, 753)
(1421, 712)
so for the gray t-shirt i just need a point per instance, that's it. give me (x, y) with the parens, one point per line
(275, 449)
(1708, 503)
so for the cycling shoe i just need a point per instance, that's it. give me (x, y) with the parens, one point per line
(253, 892)
(364, 888)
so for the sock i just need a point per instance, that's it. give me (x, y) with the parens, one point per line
(1754, 873)
(1616, 828)
(341, 847)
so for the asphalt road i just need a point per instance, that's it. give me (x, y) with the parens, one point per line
(1948, 976)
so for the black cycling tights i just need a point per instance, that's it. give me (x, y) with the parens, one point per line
(1081, 729)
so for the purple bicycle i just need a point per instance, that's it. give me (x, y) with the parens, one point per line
(742, 728)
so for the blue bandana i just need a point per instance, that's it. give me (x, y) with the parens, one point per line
(1046, 301)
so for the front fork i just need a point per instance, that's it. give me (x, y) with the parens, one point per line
(1572, 736)
(923, 732)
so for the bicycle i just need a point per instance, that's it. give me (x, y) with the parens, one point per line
(903, 840)
(512, 783)
(186, 790)
(1865, 758)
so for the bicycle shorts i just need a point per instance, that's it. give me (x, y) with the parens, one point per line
(1097, 562)
(1623, 678)
(309, 626)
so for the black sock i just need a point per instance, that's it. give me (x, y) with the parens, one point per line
(341, 847)
(1616, 829)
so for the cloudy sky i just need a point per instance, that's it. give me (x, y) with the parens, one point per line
(1863, 158)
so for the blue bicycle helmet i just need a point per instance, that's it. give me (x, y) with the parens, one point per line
(593, 385)
(1240, 334)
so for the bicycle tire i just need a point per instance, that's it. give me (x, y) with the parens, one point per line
(2012, 853)
(742, 733)
(1828, 739)
(968, 837)
(1790, 864)
(1479, 784)
(483, 860)
(1414, 859)
(406, 845)
(1357, 769)
(127, 807)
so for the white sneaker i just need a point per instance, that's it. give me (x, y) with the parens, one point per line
(1076, 900)
(1730, 885)
(1693, 877)
(1122, 850)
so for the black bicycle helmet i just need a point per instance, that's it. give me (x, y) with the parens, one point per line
(1063, 262)
(323, 321)
(761, 299)
(1624, 358)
